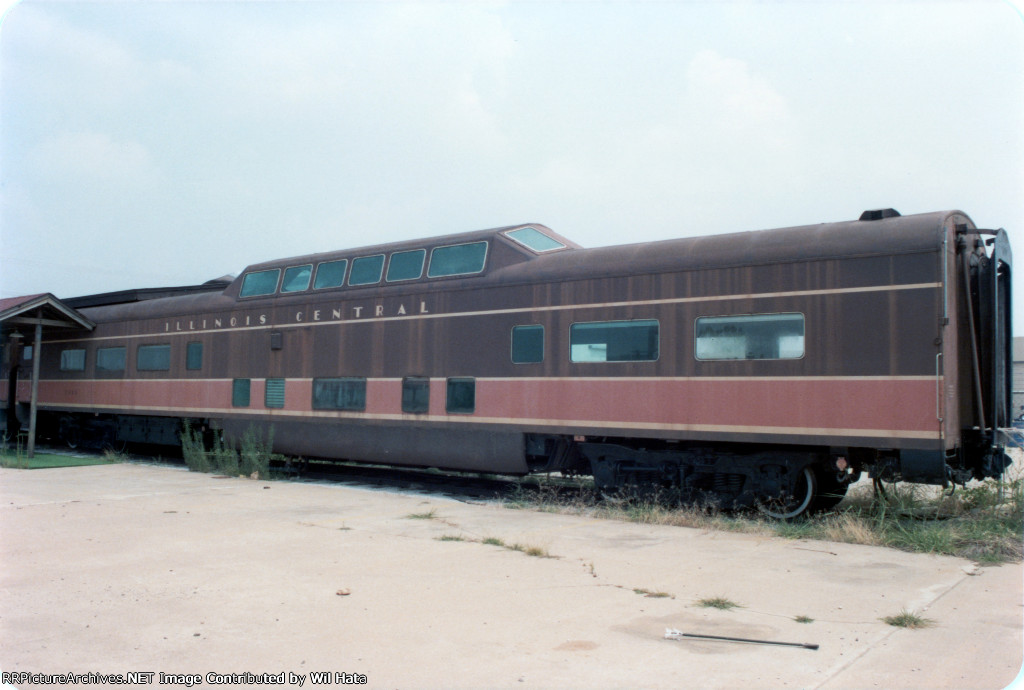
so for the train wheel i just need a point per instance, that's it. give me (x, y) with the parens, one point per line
(798, 500)
(830, 491)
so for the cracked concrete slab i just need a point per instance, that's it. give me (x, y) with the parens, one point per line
(131, 567)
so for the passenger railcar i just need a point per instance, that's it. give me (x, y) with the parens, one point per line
(761, 368)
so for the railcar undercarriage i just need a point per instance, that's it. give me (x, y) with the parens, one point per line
(780, 481)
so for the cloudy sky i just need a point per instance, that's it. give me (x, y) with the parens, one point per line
(146, 144)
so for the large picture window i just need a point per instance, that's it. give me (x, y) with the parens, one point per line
(72, 360)
(110, 358)
(153, 358)
(457, 259)
(614, 341)
(339, 394)
(366, 270)
(330, 274)
(296, 278)
(260, 283)
(750, 336)
(406, 265)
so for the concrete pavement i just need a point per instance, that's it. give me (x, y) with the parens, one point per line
(135, 568)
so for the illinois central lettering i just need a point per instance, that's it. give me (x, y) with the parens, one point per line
(305, 315)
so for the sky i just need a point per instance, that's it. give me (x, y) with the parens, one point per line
(151, 144)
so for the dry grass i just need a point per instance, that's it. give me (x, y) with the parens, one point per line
(983, 522)
(908, 619)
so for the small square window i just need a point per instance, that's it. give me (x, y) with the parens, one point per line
(415, 395)
(240, 393)
(461, 398)
(527, 344)
(194, 356)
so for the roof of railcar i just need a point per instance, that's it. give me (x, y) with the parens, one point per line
(886, 236)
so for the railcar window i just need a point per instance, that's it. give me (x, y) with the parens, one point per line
(527, 344)
(72, 360)
(347, 393)
(194, 356)
(240, 392)
(366, 270)
(614, 341)
(111, 358)
(750, 336)
(415, 394)
(153, 358)
(534, 239)
(457, 259)
(273, 393)
(296, 278)
(461, 397)
(260, 283)
(406, 265)
(330, 274)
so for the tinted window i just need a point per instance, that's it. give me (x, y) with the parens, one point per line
(461, 397)
(72, 360)
(457, 259)
(750, 336)
(406, 265)
(330, 274)
(111, 358)
(366, 270)
(296, 278)
(260, 283)
(415, 395)
(339, 394)
(194, 356)
(273, 393)
(153, 358)
(614, 341)
(534, 239)
(240, 393)
(527, 344)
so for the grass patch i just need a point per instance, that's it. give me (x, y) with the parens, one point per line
(908, 619)
(983, 522)
(653, 595)
(535, 551)
(451, 537)
(718, 603)
(803, 619)
(41, 461)
(429, 515)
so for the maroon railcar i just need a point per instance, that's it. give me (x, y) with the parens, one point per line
(767, 367)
